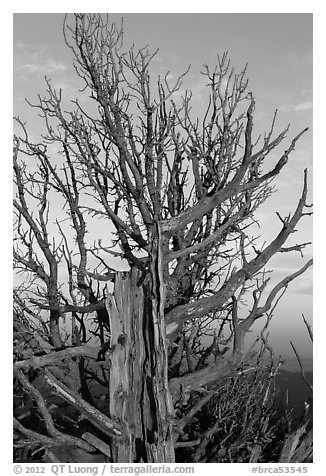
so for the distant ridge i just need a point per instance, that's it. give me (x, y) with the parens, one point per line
(292, 365)
(298, 391)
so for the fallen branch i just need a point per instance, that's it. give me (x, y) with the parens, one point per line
(97, 443)
(97, 418)
(70, 307)
(50, 359)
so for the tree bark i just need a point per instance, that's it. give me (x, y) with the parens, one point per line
(138, 393)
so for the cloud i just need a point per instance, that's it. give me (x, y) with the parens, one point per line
(304, 106)
(306, 288)
(197, 92)
(30, 60)
(49, 66)
(303, 284)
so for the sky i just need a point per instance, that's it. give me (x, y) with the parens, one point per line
(278, 50)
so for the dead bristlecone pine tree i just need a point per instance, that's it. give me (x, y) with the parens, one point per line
(135, 251)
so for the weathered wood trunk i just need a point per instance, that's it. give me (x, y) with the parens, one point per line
(138, 395)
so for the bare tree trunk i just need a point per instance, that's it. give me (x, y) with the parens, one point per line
(138, 392)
